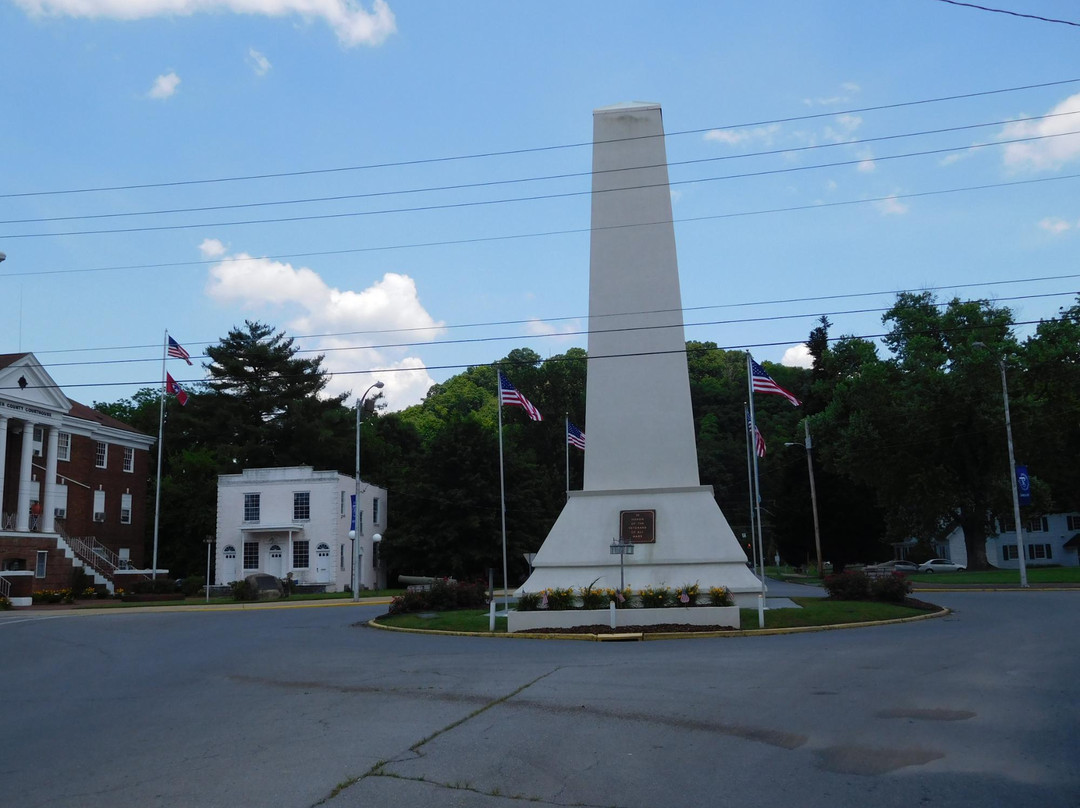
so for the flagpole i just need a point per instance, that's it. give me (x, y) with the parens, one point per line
(757, 489)
(566, 447)
(161, 451)
(502, 496)
(750, 480)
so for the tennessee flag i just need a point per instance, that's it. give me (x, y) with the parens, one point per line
(173, 388)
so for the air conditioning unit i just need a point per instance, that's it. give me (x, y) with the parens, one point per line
(99, 516)
(60, 513)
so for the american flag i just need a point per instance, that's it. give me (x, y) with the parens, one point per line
(574, 436)
(759, 441)
(177, 350)
(761, 382)
(508, 394)
(172, 387)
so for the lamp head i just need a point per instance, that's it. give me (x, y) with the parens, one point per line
(379, 385)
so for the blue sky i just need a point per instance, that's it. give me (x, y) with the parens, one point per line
(367, 101)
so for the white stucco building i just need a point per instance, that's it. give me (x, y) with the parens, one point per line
(296, 520)
(1052, 540)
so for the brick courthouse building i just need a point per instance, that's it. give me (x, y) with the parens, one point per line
(73, 485)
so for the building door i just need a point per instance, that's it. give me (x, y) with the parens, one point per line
(228, 567)
(322, 563)
(275, 566)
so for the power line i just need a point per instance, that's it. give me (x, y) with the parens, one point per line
(581, 174)
(1010, 13)
(572, 317)
(577, 333)
(534, 150)
(567, 195)
(674, 351)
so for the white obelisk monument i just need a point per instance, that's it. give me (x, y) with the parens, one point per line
(641, 473)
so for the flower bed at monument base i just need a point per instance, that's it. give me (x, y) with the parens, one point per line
(572, 618)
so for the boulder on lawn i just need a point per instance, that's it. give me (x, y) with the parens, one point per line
(266, 587)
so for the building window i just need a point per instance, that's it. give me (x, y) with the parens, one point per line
(129, 459)
(1038, 525)
(301, 506)
(251, 507)
(229, 551)
(341, 547)
(251, 555)
(63, 446)
(1039, 551)
(101, 458)
(1007, 525)
(125, 509)
(375, 511)
(300, 554)
(1008, 552)
(1073, 522)
(42, 561)
(99, 506)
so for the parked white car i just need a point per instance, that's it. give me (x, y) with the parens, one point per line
(940, 565)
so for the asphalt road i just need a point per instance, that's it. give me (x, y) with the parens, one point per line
(300, 707)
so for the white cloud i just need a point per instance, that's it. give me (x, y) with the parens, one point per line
(849, 88)
(258, 61)
(164, 86)
(891, 206)
(1052, 152)
(797, 356)
(735, 137)
(1053, 224)
(389, 305)
(568, 330)
(352, 23)
(866, 162)
(211, 248)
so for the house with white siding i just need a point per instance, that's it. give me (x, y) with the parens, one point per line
(1052, 540)
(295, 520)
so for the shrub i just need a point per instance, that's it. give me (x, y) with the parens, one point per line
(593, 598)
(892, 588)
(152, 586)
(853, 585)
(53, 596)
(80, 581)
(687, 595)
(191, 585)
(244, 590)
(443, 595)
(528, 602)
(655, 597)
(558, 599)
(720, 596)
(4, 603)
(622, 599)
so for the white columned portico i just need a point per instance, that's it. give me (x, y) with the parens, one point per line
(48, 485)
(3, 457)
(22, 510)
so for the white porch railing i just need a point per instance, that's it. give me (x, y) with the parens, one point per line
(5, 587)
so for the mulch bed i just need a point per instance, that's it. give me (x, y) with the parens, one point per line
(660, 628)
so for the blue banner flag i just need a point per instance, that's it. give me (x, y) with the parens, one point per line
(352, 523)
(1023, 485)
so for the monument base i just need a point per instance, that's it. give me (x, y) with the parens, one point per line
(691, 543)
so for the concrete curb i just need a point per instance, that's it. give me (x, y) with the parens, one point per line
(681, 635)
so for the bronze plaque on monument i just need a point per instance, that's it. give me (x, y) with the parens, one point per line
(637, 527)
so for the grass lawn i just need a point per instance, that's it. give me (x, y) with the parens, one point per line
(814, 612)
(1036, 575)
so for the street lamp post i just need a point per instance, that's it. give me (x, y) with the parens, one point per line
(1012, 470)
(209, 541)
(813, 495)
(358, 553)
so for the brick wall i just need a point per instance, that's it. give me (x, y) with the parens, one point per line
(58, 568)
